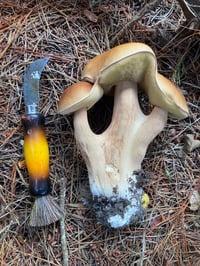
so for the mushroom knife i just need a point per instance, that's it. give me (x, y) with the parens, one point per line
(36, 151)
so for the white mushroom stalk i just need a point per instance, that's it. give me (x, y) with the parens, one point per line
(114, 157)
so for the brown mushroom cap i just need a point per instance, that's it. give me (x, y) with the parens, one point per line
(79, 95)
(136, 62)
(111, 57)
(169, 97)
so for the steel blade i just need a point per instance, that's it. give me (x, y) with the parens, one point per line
(31, 83)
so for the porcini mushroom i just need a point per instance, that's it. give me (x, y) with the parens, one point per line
(114, 158)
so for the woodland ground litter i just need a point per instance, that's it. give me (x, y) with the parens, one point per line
(72, 32)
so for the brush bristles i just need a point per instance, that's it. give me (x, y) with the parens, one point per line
(45, 211)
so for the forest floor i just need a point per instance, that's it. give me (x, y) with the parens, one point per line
(71, 33)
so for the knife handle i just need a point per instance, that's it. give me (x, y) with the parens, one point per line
(36, 153)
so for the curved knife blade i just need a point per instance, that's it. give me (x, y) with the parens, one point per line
(31, 84)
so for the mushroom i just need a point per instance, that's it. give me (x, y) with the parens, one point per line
(113, 158)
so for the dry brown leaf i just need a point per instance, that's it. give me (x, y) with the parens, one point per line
(191, 143)
(194, 201)
(91, 16)
(157, 220)
(21, 164)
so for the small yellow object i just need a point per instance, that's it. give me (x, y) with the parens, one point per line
(145, 200)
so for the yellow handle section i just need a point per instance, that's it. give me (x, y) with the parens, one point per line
(36, 152)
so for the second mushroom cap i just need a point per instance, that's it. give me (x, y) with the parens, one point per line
(136, 62)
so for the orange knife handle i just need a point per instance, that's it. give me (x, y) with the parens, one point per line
(36, 153)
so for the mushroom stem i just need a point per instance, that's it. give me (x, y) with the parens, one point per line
(114, 158)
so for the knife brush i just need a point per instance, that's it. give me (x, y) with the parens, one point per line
(36, 152)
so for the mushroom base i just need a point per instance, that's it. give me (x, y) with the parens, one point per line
(117, 212)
